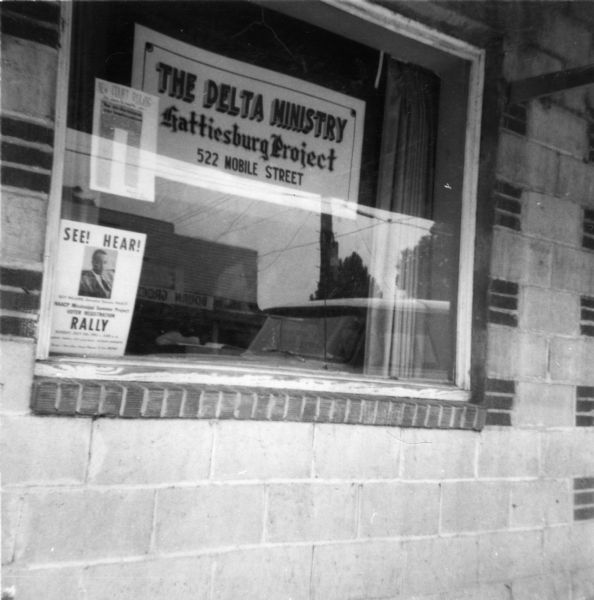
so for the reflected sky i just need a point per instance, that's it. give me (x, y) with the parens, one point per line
(280, 224)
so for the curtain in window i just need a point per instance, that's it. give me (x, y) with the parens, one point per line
(405, 190)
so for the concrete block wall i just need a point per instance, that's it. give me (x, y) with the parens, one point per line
(108, 508)
(545, 354)
(29, 66)
(203, 509)
(30, 42)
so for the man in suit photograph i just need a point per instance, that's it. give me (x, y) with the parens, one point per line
(98, 281)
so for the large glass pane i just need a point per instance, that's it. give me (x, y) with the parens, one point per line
(241, 186)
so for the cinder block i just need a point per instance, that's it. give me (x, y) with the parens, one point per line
(150, 451)
(356, 452)
(49, 584)
(544, 405)
(587, 90)
(518, 258)
(557, 549)
(23, 227)
(522, 60)
(440, 565)
(209, 516)
(502, 352)
(514, 354)
(557, 453)
(358, 570)
(582, 545)
(29, 72)
(532, 355)
(431, 454)
(576, 181)
(11, 514)
(79, 524)
(549, 311)
(557, 127)
(508, 453)
(566, 363)
(527, 163)
(548, 586)
(552, 218)
(16, 375)
(399, 509)
(582, 458)
(507, 255)
(582, 584)
(570, 548)
(574, 99)
(509, 555)
(474, 506)
(540, 503)
(565, 36)
(572, 270)
(173, 578)
(484, 591)
(278, 572)
(40, 449)
(587, 372)
(537, 266)
(259, 450)
(303, 512)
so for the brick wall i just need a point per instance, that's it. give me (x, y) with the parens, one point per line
(163, 508)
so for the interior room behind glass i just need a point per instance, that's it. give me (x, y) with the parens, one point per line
(248, 264)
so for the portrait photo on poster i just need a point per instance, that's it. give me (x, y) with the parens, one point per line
(98, 272)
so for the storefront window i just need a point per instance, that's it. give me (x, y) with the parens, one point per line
(241, 186)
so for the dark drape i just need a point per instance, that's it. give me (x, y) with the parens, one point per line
(406, 171)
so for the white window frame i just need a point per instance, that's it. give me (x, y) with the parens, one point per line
(134, 369)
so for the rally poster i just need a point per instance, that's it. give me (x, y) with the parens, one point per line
(96, 280)
(124, 141)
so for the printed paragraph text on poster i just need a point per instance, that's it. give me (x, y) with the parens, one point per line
(97, 274)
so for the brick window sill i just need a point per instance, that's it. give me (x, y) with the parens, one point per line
(154, 389)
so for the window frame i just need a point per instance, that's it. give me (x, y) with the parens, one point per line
(358, 16)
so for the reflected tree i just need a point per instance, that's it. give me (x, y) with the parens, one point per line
(341, 278)
(429, 270)
(348, 278)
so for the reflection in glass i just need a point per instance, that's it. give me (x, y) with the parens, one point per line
(237, 269)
